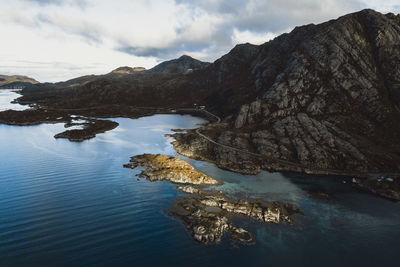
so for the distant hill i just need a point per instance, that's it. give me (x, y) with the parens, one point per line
(16, 81)
(184, 64)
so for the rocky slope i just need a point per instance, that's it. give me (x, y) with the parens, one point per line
(322, 99)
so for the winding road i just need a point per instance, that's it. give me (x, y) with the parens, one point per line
(280, 161)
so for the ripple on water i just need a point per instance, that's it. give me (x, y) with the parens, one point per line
(64, 203)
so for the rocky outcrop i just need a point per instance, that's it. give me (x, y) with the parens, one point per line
(269, 212)
(207, 215)
(206, 226)
(167, 168)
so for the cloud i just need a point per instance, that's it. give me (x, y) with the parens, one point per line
(80, 3)
(205, 25)
(89, 31)
(145, 32)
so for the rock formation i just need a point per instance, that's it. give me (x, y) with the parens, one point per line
(207, 214)
(167, 168)
(324, 97)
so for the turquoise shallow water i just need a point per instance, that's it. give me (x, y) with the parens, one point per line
(72, 204)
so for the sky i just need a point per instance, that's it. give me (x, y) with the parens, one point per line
(56, 40)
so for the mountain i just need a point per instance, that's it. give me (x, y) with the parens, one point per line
(184, 64)
(325, 97)
(322, 99)
(160, 86)
(15, 81)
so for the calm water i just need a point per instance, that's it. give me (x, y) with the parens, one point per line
(72, 204)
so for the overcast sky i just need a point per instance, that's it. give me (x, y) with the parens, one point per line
(54, 40)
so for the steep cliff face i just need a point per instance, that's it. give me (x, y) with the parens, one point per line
(324, 96)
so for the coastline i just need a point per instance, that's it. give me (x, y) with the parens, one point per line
(189, 143)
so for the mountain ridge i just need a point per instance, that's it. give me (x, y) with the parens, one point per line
(323, 96)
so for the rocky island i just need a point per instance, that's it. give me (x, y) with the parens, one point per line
(207, 214)
(167, 168)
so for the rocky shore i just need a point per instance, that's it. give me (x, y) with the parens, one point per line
(167, 168)
(269, 212)
(386, 187)
(208, 214)
(206, 225)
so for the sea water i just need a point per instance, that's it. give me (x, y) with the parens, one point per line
(73, 204)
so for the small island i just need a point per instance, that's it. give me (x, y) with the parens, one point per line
(166, 168)
(208, 214)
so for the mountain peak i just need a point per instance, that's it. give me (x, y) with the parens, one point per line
(186, 57)
(183, 64)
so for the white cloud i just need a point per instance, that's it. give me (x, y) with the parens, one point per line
(240, 37)
(61, 39)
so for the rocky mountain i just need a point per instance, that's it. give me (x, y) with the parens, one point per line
(324, 96)
(15, 81)
(322, 99)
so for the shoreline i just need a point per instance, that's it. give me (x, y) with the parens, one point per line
(240, 162)
(207, 215)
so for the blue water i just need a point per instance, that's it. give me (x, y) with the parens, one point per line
(72, 204)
